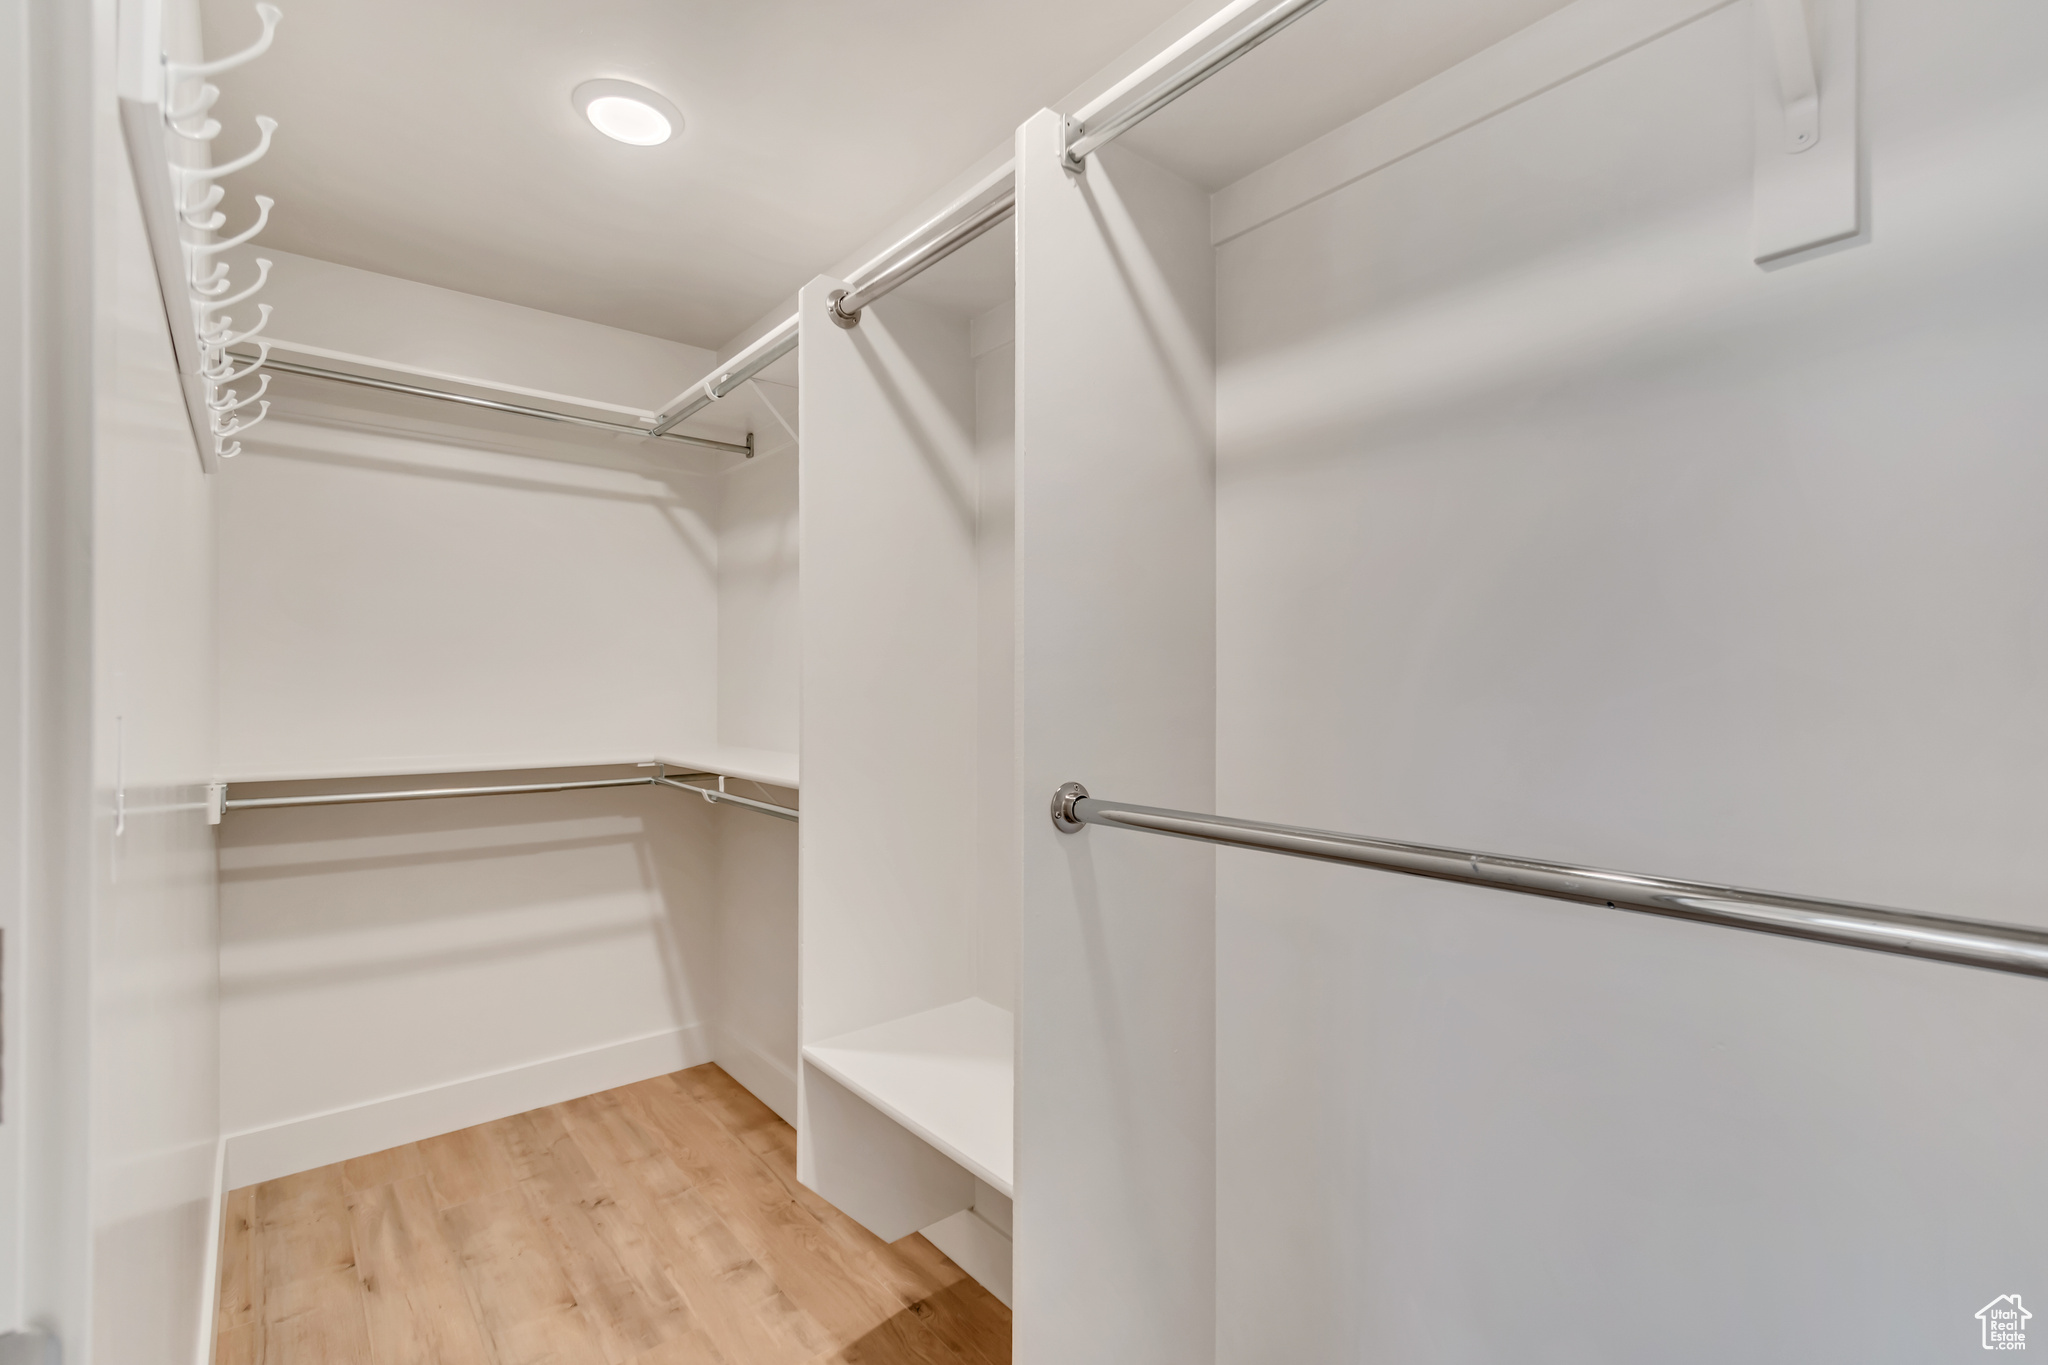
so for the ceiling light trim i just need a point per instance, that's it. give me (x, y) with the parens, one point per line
(612, 88)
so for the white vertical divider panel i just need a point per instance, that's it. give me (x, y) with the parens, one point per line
(1116, 655)
(885, 865)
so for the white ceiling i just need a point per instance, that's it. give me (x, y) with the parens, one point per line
(1328, 67)
(435, 141)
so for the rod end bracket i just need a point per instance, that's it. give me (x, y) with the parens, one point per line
(846, 320)
(1063, 818)
(1070, 133)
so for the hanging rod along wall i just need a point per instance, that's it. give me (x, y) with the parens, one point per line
(1094, 127)
(1971, 943)
(749, 362)
(219, 803)
(922, 250)
(343, 377)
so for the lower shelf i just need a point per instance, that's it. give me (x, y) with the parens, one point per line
(948, 1075)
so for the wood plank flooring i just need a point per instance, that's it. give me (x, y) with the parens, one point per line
(656, 1224)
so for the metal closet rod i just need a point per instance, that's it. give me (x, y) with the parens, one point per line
(344, 377)
(1085, 136)
(1943, 938)
(750, 361)
(357, 798)
(920, 251)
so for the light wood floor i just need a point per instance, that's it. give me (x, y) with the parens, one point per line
(657, 1224)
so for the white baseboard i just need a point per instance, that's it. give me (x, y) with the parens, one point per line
(978, 1247)
(322, 1139)
(770, 1080)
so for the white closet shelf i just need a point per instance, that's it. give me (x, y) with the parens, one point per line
(772, 766)
(452, 763)
(753, 765)
(948, 1075)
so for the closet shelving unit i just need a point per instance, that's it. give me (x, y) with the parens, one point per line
(898, 1020)
(1015, 552)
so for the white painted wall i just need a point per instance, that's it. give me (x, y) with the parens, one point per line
(993, 342)
(759, 637)
(403, 589)
(407, 589)
(757, 953)
(759, 644)
(155, 1040)
(1549, 524)
(340, 312)
(1116, 649)
(375, 952)
(889, 665)
(17, 382)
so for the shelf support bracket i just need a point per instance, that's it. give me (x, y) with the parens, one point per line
(1808, 183)
(1791, 43)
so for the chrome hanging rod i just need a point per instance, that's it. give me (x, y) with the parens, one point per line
(1091, 130)
(343, 377)
(749, 362)
(922, 250)
(220, 803)
(1943, 938)
(430, 794)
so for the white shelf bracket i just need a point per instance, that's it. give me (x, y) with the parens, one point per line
(216, 801)
(1798, 82)
(1808, 186)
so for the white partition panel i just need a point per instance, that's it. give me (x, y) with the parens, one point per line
(1115, 688)
(886, 863)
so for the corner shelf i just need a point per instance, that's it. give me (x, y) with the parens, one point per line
(771, 766)
(948, 1075)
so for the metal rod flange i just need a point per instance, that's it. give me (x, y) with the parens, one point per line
(844, 305)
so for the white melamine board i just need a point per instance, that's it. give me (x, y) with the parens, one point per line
(945, 1074)
(1549, 524)
(393, 603)
(771, 766)
(889, 664)
(1115, 688)
(338, 772)
(872, 1168)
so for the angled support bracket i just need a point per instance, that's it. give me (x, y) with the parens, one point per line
(1791, 44)
(1808, 171)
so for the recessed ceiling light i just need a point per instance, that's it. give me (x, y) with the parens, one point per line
(627, 112)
